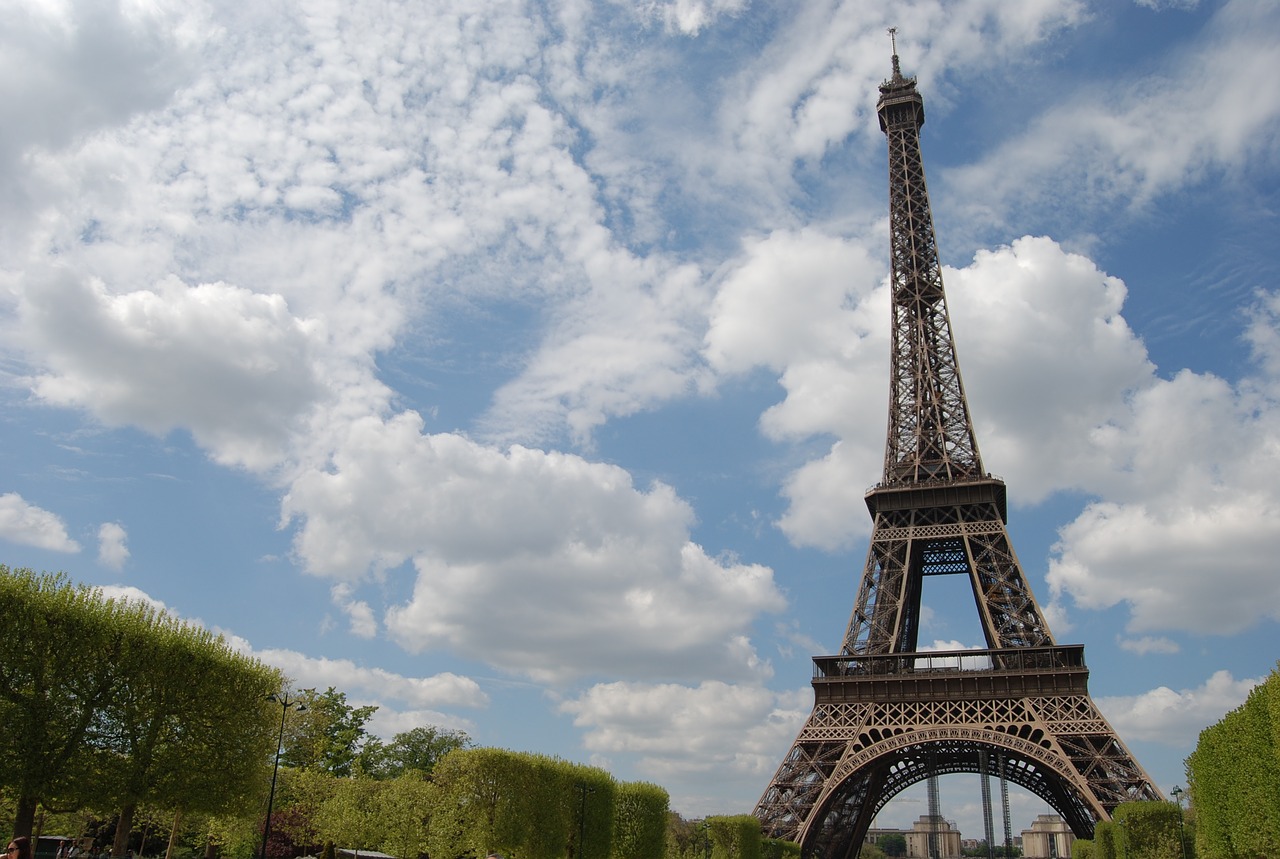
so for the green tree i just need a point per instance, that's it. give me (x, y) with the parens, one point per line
(1233, 779)
(350, 815)
(893, 844)
(776, 848)
(686, 839)
(58, 668)
(479, 796)
(640, 818)
(417, 749)
(532, 806)
(1107, 840)
(302, 793)
(178, 744)
(405, 811)
(1149, 830)
(734, 836)
(1083, 848)
(325, 732)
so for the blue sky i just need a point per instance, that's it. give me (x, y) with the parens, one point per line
(520, 368)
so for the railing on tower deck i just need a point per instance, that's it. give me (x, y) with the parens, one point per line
(1009, 660)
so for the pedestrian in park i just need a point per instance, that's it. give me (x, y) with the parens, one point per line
(19, 848)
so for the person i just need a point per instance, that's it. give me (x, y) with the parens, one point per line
(19, 848)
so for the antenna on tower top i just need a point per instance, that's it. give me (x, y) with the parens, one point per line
(893, 40)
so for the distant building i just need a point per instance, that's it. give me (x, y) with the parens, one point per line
(947, 834)
(1048, 838)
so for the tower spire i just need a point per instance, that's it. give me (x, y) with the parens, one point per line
(893, 41)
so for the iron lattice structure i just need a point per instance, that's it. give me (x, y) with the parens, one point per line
(885, 714)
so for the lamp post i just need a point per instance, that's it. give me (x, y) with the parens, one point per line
(583, 790)
(285, 703)
(1177, 793)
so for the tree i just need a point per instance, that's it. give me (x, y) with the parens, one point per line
(734, 837)
(1149, 830)
(325, 732)
(686, 839)
(477, 795)
(58, 668)
(405, 810)
(186, 746)
(1233, 778)
(639, 829)
(528, 805)
(302, 794)
(417, 749)
(350, 816)
(893, 844)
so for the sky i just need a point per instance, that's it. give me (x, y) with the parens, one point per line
(520, 367)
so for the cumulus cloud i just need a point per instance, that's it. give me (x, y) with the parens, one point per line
(225, 363)
(1175, 718)
(627, 343)
(712, 729)
(26, 524)
(572, 569)
(112, 548)
(374, 684)
(129, 593)
(1036, 417)
(1184, 468)
(68, 69)
(1183, 536)
(359, 613)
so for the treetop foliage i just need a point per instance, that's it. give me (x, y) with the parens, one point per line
(100, 708)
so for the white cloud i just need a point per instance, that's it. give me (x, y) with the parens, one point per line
(689, 17)
(112, 548)
(1186, 467)
(816, 84)
(1185, 536)
(1037, 418)
(541, 563)
(68, 69)
(375, 685)
(628, 342)
(28, 525)
(386, 723)
(230, 365)
(1176, 718)
(686, 733)
(359, 613)
(1127, 142)
(1049, 361)
(131, 594)
(1161, 5)
(1148, 644)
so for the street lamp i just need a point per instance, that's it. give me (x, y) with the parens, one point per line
(583, 790)
(285, 703)
(1177, 793)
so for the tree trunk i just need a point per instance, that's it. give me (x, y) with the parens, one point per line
(24, 818)
(173, 835)
(125, 825)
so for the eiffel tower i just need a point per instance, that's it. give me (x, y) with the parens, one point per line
(887, 715)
